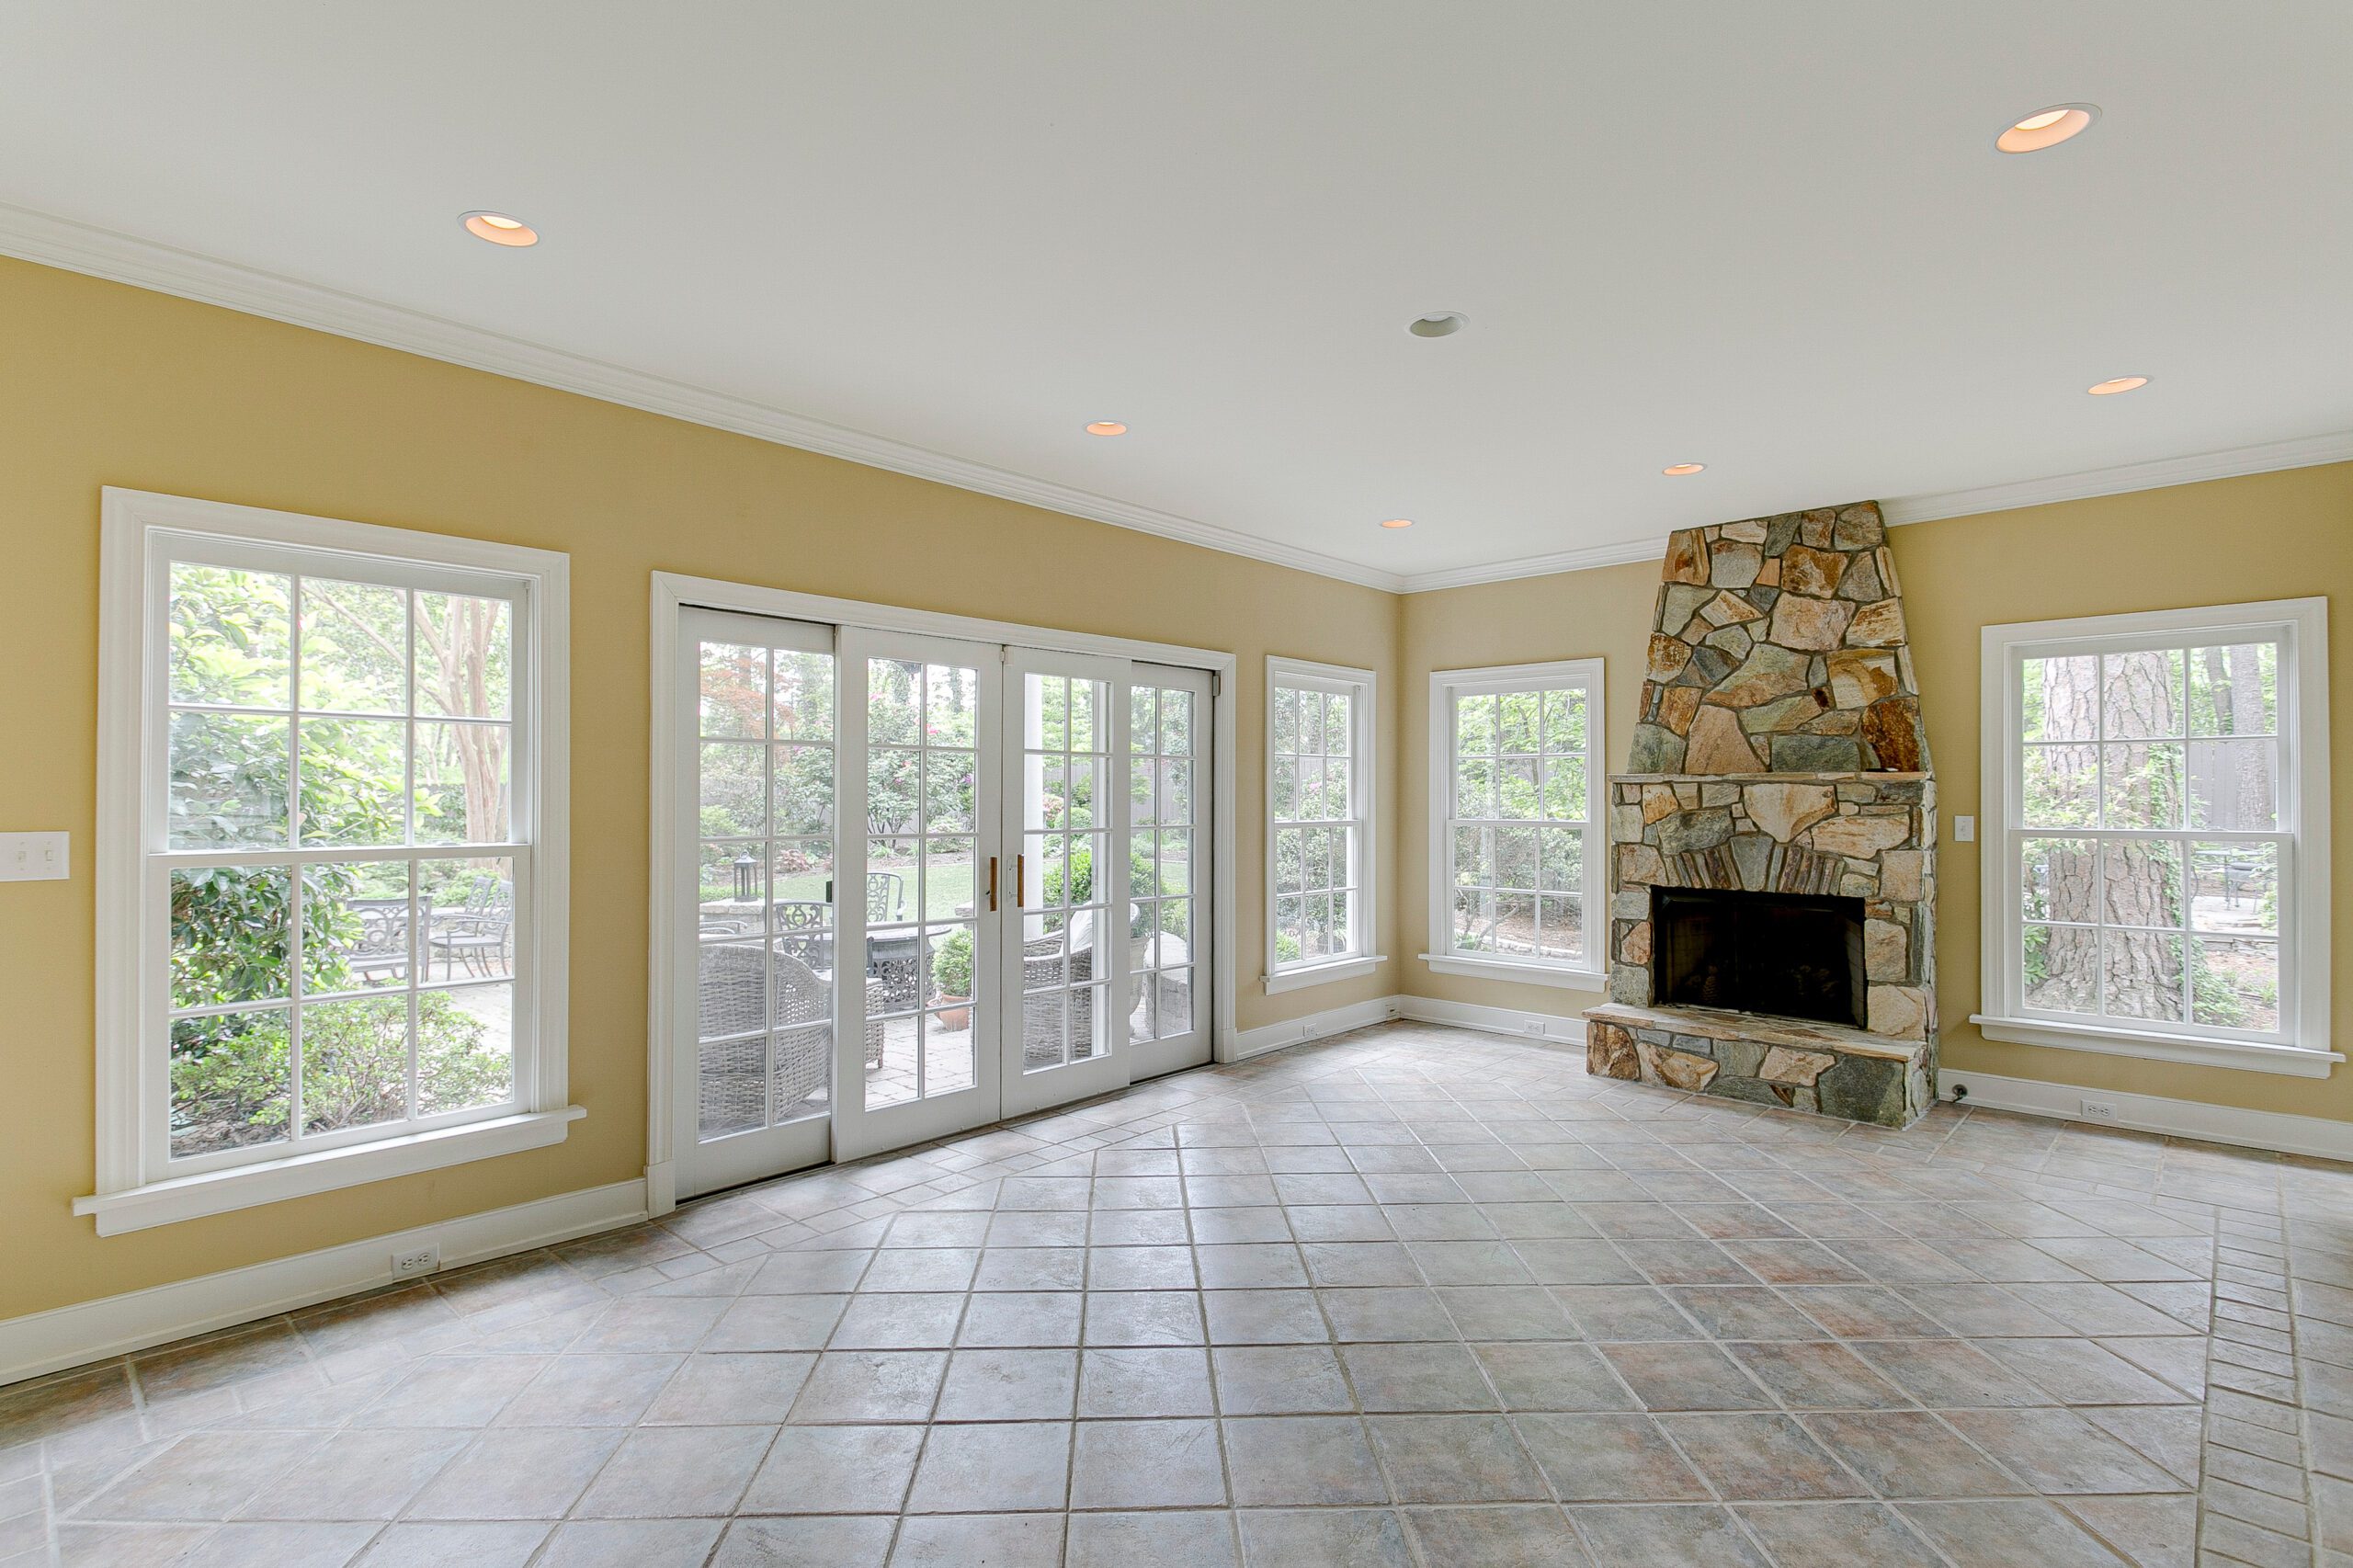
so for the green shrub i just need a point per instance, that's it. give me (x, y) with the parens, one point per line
(951, 964)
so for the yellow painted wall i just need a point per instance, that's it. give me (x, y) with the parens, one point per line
(102, 384)
(2270, 536)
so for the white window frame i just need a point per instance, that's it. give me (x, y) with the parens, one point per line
(2301, 1045)
(1583, 675)
(1362, 688)
(143, 532)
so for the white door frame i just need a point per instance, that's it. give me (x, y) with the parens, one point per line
(672, 592)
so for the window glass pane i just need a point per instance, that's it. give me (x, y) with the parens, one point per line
(463, 783)
(2140, 694)
(1285, 719)
(2143, 882)
(948, 871)
(894, 788)
(949, 781)
(1565, 799)
(1291, 930)
(1316, 871)
(1083, 697)
(2234, 984)
(1312, 708)
(228, 781)
(231, 935)
(2059, 879)
(2231, 784)
(1474, 786)
(231, 1081)
(467, 908)
(1474, 724)
(1339, 737)
(1286, 789)
(1175, 861)
(947, 1054)
(1475, 920)
(804, 696)
(2062, 786)
(1516, 722)
(1474, 857)
(891, 1077)
(1559, 927)
(355, 1063)
(463, 659)
(2143, 973)
(354, 647)
(2143, 784)
(1515, 850)
(1563, 866)
(355, 926)
(1565, 722)
(2234, 691)
(1176, 792)
(229, 637)
(1515, 790)
(1343, 936)
(735, 690)
(2061, 698)
(1337, 790)
(2234, 888)
(1143, 726)
(353, 774)
(731, 999)
(2061, 969)
(800, 1062)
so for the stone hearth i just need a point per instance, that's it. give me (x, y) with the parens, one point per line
(1780, 750)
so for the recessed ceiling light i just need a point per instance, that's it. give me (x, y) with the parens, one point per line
(1677, 470)
(2120, 384)
(1397, 523)
(501, 230)
(1107, 427)
(1437, 323)
(2048, 128)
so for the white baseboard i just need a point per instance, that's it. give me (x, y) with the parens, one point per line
(1550, 1027)
(2150, 1113)
(661, 1188)
(115, 1325)
(1316, 1026)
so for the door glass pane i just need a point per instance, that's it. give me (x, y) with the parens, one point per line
(1070, 936)
(765, 889)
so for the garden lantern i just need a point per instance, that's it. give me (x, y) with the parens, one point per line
(745, 866)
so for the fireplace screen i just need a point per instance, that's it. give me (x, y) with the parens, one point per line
(1759, 952)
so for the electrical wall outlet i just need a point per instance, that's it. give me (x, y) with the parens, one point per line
(2099, 1110)
(1532, 1026)
(424, 1260)
(1964, 830)
(35, 857)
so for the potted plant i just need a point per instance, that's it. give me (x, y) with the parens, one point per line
(952, 979)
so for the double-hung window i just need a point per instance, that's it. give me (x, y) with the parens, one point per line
(1319, 794)
(331, 855)
(1516, 863)
(2156, 863)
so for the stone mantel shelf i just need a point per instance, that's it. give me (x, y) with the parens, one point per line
(1771, 777)
(1797, 1034)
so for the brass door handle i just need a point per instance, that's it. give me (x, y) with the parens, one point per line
(1020, 880)
(992, 885)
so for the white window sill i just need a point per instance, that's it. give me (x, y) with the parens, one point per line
(1562, 975)
(1322, 973)
(244, 1186)
(2196, 1050)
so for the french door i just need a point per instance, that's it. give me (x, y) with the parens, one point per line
(940, 882)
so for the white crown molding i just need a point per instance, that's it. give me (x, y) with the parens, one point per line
(2305, 452)
(1583, 560)
(2270, 457)
(123, 258)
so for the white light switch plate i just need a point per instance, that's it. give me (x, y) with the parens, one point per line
(34, 857)
(1964, 830)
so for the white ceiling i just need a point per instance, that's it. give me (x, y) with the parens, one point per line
(1772, 238)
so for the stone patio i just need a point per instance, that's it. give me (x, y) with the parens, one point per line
(1411, 1297)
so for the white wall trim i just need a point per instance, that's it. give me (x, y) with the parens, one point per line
(1550, 1029)
(123, 258)
(1314, 1025)
(115, 1325)
(2269, 457)
(2315, 1135)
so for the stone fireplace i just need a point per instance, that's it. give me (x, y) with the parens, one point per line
(1772, 870)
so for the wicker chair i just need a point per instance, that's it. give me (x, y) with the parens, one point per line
(733, 994)
(1044, 967)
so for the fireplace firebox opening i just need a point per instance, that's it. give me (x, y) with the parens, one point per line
(1789, 955)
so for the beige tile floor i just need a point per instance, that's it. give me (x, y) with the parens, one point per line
(1412, 1295)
